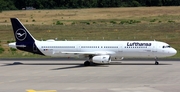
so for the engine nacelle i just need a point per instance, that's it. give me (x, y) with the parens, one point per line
(102, 59)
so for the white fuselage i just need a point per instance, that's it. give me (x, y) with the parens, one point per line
(112, 48)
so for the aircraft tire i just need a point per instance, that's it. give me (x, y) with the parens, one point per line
(156, 63)
(86, 63)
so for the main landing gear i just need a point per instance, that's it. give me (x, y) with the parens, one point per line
(156, 62)
(88, 61)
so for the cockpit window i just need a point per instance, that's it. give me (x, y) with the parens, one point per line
(166, 46)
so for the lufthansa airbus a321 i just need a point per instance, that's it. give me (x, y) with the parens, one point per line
(100, 52)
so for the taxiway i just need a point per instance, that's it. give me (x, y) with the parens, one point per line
(72, 76)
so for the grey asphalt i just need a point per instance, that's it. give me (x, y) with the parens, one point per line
(71, 76)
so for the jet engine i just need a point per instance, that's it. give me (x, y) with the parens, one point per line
(102, 59)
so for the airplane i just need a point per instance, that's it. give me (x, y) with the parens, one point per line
(98, 52)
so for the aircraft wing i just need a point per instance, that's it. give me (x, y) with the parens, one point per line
(92, 53)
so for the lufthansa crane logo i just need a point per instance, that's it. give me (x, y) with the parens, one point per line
(21, 34)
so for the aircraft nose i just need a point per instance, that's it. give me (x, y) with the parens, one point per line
(173, 51)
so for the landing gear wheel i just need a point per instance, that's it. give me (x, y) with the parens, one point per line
(156, 63)
(87, 63)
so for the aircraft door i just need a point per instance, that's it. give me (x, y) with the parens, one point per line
(154, 49)
(78, 47)
(120, 48)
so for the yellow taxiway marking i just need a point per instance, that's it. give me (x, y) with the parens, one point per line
(31, 90)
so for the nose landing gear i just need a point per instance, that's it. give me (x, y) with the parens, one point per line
(156, 62)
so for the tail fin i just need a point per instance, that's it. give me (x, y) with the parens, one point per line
(24, 40)
(21, 34)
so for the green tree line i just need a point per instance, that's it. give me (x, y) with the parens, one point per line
(64, 4)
